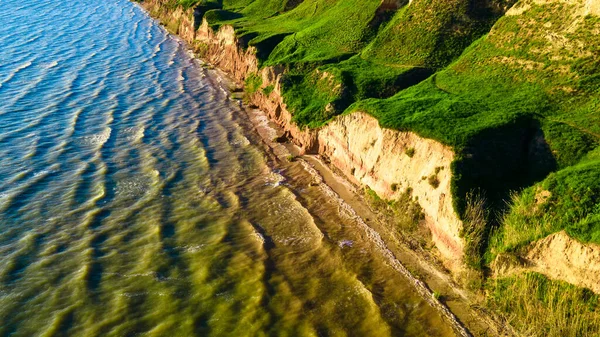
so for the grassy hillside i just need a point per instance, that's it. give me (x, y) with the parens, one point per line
(519, 103)
(369, 49)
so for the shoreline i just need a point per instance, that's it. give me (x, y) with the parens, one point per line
(454, 305)
(456, 308)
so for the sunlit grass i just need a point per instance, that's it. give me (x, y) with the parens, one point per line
(537, 306)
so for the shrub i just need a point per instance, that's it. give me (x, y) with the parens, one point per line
(473, 231)
(405, 209)
(538, 306)
(252, 83)
(268, 89)
(433, 181)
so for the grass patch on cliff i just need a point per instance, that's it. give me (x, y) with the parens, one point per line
(566, 200)
(473, 231)
(537, 306)
(404, 209)
(252, 83)
(314, 96)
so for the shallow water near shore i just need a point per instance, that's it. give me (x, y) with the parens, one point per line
(137, 198)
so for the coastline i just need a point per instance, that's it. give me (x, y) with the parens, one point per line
(457, 308)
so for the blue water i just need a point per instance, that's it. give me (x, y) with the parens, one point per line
(137, 198)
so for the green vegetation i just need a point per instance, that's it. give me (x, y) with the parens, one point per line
(312, 97)
(268, 89)
(405, 210)
(474, 230)
(252, 84)
(537, 306)
(433, 181)
(372, 49)
(568, 199)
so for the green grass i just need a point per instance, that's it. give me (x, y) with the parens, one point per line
(252, 83)
(315, 97)
(431, 33)
(404, 209)
(375, 52)
(268, 89)
(566, 200)
(474, 230)
(537, 306)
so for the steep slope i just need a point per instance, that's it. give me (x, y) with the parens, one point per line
(370, 48)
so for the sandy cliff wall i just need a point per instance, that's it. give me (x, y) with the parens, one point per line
(379, 158)
(376, 157)
(366, 153)
(559, 257)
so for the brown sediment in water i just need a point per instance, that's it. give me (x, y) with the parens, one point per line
(376, 159)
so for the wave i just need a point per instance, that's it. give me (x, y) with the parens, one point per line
(19, 68)
(44, 173)
(96, 139)
(274, 179)
(51, 65)
(133, 134)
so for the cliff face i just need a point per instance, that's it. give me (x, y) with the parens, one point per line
(387, 161)
(390, 162)
(366, 153)
(559, 257)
